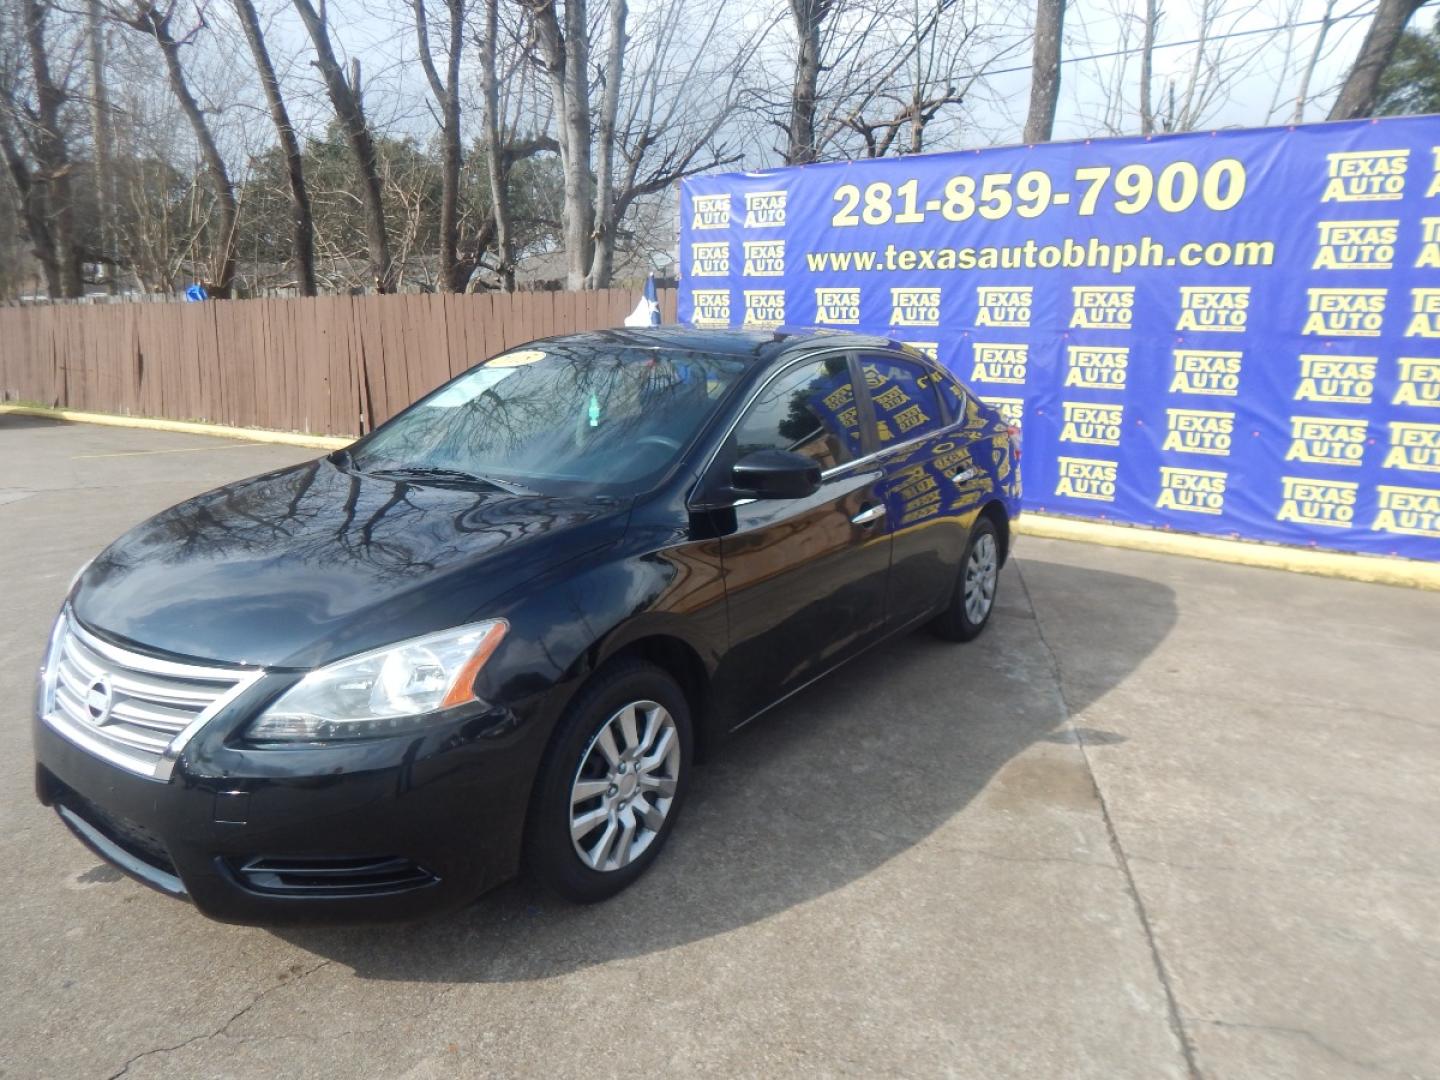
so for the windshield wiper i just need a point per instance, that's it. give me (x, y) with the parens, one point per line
(507, 486)
(434, 472)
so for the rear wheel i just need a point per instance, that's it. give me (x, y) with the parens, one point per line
(612, 785)
(974, 596)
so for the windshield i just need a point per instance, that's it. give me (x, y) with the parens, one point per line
(558, 418)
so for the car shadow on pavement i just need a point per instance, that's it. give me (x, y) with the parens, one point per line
(20, 420)
(815, 796)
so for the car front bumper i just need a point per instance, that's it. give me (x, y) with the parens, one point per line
(354, 833)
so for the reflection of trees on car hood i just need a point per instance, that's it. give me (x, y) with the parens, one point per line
(324, 516)
(300, 566)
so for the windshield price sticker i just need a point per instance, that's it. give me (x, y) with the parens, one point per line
(519, 358)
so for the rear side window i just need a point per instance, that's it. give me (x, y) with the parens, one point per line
(810, 410)
(954, 393)
(965, 408)
(906, 396)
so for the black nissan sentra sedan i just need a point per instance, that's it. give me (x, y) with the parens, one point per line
(505, 625)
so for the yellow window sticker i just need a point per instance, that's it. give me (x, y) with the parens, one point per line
(519, 358)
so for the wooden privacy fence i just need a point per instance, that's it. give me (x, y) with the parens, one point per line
(332, 365)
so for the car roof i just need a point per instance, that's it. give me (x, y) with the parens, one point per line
(757, 346)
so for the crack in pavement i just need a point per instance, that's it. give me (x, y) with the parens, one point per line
(223, 1028)
(1291, 869)
(1292, 700)
(1308, 1036)
(1177, 1025)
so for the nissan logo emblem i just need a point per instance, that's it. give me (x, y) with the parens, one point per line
(98, 701)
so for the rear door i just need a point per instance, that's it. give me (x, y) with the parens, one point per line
(933, 478)
(804, 578)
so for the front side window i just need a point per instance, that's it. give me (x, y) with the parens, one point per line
(809, 409)
(560, 418)
(906, 398)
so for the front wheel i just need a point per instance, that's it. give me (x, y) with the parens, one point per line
(974, 596)
(612, 784)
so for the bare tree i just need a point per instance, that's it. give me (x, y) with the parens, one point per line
(881, 135)
(1222, 59)
(348, 102)
(163, 211)
(447, 96)
(302, 224)
(510, 111)
(564, 54)
(871, 77)
(1307, 73)
(1189, 111)
(1147, 65)
(1361, 86)
(495, 157)
(652, 123)
(103, 169)
(809, 17)
(14, 124)
(32, 208)
(627, 96)
(655, 126)
(602, 259)
(1216, 77)
(1045, 70)
(932, 50)
(653, 149)
(149, 19)
(52, 156)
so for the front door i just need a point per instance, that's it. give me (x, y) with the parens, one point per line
(804, 578)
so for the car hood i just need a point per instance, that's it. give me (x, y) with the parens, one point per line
(302, 566)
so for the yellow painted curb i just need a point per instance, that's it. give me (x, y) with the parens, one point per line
(185, 427)
(1379, 569)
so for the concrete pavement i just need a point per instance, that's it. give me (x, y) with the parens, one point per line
(1166, 818)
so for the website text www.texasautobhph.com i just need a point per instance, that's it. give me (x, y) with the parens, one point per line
(1068, 254)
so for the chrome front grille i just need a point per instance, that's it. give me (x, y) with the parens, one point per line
(133, 710)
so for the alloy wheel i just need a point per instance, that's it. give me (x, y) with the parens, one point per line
(981, 572)
(625, 786)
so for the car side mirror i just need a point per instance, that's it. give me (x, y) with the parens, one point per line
(775, 474)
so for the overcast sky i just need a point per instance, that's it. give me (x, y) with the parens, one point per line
(1099, 92)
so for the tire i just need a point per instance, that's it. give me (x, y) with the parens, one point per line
(635, 806)
(974, 596)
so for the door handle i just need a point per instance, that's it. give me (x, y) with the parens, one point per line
(963, 475)
(868, 515)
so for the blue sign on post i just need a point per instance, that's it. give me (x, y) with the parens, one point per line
(1234, 332)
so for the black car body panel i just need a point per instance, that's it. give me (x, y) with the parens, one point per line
(445, 803)
(289, 569)
(744, 601)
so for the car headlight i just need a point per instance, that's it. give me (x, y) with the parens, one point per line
(398, 688)
(49, 676)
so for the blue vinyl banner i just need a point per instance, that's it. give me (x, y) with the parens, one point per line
(1231, 332)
